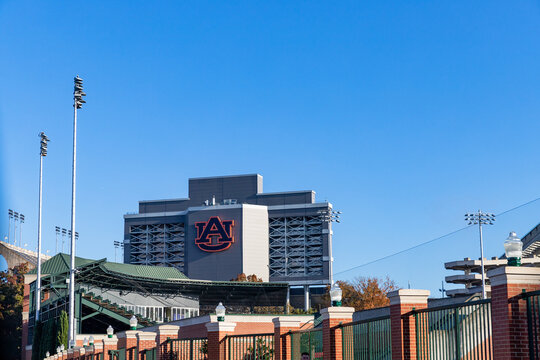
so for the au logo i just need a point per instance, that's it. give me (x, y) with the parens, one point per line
(214, 234)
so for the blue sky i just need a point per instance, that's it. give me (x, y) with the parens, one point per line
(404, 115)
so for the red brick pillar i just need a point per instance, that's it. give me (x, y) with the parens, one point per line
(332, 317)
(282, 342)
(217, 331)
(145, 340)
(127, 339)
(509, 312)
(165, 332)
(109, 344)
(403, 327)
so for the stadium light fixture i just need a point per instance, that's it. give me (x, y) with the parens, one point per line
(85, 342)
(71, 343)
(480, 218)
(335, 295)
(220, 312)
(47, 354)
(513, 248)
(62, 347)
(110, 331)
(91, 340)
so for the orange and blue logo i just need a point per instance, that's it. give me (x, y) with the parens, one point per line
(215, 234)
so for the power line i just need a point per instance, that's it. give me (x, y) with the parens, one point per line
(432, 240)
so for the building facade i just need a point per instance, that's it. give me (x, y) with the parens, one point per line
(228, 226)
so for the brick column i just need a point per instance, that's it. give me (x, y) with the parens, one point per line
(70, 353)
(217, 331)
(127, 339)
(509, 312)
(331, 318)
(165, 332)
(403, 328)
(145, 340)
(109, 344)
(282, 342)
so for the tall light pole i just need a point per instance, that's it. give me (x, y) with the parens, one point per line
(42, 154)
(329, 216)
(117, 244)
(78, 94)
(481, 218)
(21, 221)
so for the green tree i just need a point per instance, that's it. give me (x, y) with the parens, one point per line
(11, 304)
(62, 330)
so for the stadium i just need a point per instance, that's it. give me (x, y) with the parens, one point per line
(228, 226)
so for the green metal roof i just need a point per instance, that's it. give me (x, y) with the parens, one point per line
(161, 281)
(151, 272)
(60, 264)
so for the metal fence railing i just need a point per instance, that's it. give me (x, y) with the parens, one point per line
(367, 340)
(307, 342)
(533, 323)
(460, 331)
(188, 349)
(148, 354)
(250, 347)
(124, 354)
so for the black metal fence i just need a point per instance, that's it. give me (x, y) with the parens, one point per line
(533, 323)
(367, 340)
(307, 342)
(188, 349)
(250, 347)
(460, 331)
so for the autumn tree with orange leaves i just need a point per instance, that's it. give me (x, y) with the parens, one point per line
(11, 304)
(363, 293)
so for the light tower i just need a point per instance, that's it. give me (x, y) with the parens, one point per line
(42, 153)
(78, 101)
(481, 218)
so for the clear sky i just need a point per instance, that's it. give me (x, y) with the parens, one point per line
(404, 115)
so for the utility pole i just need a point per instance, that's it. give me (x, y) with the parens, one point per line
(42, 154)
(481, 218)
(77, 104)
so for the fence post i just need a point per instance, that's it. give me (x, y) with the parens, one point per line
(146, 340)
(403, 329)
(98, 348)
(332, 317)
(217, 331)
(109, 344)
(282, 342)
(509, 311)
(165, 332)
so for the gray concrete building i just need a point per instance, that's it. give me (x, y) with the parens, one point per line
(228, 226)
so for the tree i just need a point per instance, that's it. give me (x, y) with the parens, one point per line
(250, 278)
(11, 305)
(364, 293)
(62, 330)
